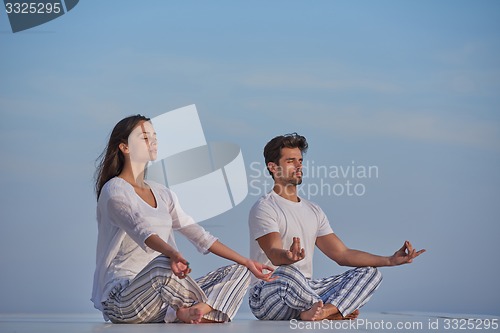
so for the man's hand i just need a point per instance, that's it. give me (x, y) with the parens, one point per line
(296, 253)
(179, 265)
(405, 254)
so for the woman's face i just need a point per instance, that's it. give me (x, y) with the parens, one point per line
(142, 144)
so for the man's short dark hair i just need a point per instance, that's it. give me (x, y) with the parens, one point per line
(272, 150)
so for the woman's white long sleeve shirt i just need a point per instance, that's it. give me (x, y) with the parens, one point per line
(125, 221)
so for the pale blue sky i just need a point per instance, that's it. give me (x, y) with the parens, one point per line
(411, 87)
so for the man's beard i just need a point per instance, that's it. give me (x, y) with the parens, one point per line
(294, 181)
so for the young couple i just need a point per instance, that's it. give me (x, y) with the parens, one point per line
(141, 277)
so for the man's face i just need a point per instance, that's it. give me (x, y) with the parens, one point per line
(288, 171)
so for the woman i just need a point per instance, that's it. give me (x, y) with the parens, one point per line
(140, 275)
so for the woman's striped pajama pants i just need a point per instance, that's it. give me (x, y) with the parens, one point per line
(155, 294)
(292, 293)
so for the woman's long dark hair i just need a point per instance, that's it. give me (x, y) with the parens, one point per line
(111, 161)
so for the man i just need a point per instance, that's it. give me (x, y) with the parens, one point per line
(284, 229)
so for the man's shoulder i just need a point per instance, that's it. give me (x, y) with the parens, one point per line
(264, 200)
(264, 205)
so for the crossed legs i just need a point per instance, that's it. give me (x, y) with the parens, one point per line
(157, 295)
(294, 296)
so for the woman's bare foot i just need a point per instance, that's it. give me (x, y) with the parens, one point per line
(353, 315)
(314, 313)
(191, 315)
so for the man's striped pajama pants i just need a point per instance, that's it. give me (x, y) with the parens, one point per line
(292, 293)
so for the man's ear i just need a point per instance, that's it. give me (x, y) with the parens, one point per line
(273, 167)
(123, 147)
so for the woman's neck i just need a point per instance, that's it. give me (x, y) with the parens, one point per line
(134, 176)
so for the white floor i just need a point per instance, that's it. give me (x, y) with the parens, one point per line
(245, 323)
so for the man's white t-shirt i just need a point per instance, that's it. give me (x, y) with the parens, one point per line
(303, 219)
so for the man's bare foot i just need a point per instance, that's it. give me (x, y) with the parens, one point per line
(191, 315)
(314, 313)
(338, 316)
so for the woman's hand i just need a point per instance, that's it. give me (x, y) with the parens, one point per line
(257, 269)
(179, 265)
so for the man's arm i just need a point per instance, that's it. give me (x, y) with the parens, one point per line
(273, 248)
(336, 250)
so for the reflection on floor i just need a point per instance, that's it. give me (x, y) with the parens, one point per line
(246, 323)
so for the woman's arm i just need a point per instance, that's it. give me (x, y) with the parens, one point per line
(255, 267)
(179, 265)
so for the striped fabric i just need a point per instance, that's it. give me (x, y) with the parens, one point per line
(156, 293)
(225, 289)
(292, 293)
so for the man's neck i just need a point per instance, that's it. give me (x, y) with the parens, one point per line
(288, 192)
